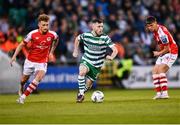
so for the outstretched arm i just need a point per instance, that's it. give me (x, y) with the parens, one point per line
(114, 53)
(18, 49)
(76, 47)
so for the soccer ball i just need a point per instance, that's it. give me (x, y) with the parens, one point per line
(97, 96)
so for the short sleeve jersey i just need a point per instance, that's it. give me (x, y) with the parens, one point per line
(95, 48)
(164, 38)
(41, 45)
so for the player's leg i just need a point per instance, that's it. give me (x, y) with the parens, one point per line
(24, 79)
(83, 69)
(40, 71)
(166, 62)
(88, 85)
(163, 68)
(155, 76)
(91, 76)
(32, 86)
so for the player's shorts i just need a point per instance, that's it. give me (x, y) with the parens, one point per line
(92, 71)
(32, 67)
(167, 59)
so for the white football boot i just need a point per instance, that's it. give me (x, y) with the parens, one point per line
(164, 96)
(20, 100)
(157, 96)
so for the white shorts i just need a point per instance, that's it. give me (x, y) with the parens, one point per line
(167, 59)
(32, 67)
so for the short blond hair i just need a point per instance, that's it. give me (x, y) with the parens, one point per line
(43, 17)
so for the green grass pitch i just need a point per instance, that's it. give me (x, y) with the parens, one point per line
(119, 106)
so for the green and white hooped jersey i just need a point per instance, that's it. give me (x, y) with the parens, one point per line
(95, 48)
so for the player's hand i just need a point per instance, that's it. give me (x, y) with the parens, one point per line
(52, 58)
(12, 60)
(109, 57)
(75, 53)
(156, 53)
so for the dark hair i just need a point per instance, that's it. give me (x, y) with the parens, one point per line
(150, 19)
(43, 17)
(97, 21)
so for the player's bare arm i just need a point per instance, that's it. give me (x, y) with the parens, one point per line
(113, 55)
(53, 47)
(76, 47)
(165, 50)
(18, 49)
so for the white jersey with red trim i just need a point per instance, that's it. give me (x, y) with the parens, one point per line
(164, 38)
(41, 45)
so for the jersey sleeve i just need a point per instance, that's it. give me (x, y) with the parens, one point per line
(163, 36)
(81, 37)
(55, 35)
(109, 42)
(28, 37)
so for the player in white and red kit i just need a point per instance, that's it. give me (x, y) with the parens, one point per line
(42, 49)
(167, 55)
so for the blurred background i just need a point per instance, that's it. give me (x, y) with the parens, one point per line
(123, 22)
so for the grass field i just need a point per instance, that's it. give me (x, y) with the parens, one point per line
(120, 106)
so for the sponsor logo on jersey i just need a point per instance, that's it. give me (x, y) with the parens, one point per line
(164, 39)
(42, 45)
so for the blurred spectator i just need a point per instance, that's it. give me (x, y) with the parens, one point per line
(10, 44)
(123, 21)
(4, 26)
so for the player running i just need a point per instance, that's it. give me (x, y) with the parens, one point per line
(167, 55)
(43, 45)
(95, 44)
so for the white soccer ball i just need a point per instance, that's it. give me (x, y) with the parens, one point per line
(97, 96)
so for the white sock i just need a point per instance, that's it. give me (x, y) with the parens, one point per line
(81, 92)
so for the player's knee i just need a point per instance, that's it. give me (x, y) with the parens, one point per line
(39, 76)
(154, 71)
(82, 73)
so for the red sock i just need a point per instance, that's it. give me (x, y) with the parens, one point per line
(156, 83)
(163, 82)
(30, 88)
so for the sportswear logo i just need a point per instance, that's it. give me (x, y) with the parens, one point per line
(49, 39)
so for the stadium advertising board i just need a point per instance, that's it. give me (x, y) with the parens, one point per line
(60, 78)
(140, 77)
(9, 76)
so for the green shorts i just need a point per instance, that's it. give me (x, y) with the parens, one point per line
(92, 71)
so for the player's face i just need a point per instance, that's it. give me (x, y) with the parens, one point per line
(98, 28)
(151, 27)
(43, 26)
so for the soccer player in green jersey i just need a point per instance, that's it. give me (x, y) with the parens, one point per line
(95, 44)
